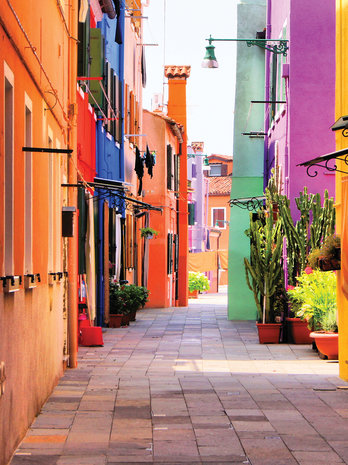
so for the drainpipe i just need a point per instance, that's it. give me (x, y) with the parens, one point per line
(267, 95)
(72, 192)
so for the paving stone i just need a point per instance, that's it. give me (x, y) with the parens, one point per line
(187, 386)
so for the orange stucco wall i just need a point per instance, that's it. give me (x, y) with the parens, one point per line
(177, 111)
(160, 284)
(33, 321)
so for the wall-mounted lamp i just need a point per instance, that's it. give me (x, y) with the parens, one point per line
(277, 46)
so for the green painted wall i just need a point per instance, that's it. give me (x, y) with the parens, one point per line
(248, 153)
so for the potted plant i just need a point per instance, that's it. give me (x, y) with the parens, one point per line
(315, 300)
(117, 305)
(264, 271)
(197, 282)
(148, 233)
(134, 297)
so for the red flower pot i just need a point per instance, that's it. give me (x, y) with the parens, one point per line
(269, 332)
(125, 320)
(299, 330)
(115, 320)
(327, 343)
(193, 294)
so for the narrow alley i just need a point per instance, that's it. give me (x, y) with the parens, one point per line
(185, 385)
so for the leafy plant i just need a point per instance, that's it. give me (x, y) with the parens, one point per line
(314, 299)
(198, 281)
(145, 232)
(125, 299)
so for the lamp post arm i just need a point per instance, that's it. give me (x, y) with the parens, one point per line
(280, 47)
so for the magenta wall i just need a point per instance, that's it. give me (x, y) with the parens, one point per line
(303, 128)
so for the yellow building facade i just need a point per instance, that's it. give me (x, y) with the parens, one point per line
(341, 178)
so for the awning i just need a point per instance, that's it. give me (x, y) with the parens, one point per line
(338, 155)
(116, 188)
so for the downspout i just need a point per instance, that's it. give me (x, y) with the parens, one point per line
(267, 96)
(72, 193)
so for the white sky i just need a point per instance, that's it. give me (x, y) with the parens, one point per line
(180, 27)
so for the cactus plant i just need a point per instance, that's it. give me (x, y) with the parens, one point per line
(264, 270)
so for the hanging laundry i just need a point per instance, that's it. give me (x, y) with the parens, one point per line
(149, 161)
(139, 168)
(118, 34)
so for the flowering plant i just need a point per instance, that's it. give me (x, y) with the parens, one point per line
(198, 281)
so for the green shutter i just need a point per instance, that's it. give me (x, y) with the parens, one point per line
(97, 65)
(192, 213)
(83, 47)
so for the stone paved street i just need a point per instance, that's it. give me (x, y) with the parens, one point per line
(186, 386)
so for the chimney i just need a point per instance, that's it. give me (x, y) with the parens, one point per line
(177, 76)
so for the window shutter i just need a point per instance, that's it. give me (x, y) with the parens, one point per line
(170, 253)
(169, 168)
(223, 170)
(97, 65)
(192, 213)
(83, 47)
(194, 170)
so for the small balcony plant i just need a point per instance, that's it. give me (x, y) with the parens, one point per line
(148, 233)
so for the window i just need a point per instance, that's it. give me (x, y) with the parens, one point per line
(170, 168)
(218, 216)
(215, 169)
(9, 150)
(28, 180)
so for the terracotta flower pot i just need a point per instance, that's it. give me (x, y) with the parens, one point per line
(115, 320)
(125, 320)
(299, 331)
(268, 332)
(193, 294)
(327, 343)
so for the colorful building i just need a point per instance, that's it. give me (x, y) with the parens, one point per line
(161, 189)
(177, 78)
(38, 64)
(220, 183)
(248, 160)
(298, 106)
(341, 182)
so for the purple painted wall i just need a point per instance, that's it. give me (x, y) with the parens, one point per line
(302, 126)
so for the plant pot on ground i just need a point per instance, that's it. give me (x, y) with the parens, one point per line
(264, 271)
(197, 282)
(314, 299)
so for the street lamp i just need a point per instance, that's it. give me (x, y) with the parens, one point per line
(277, 46)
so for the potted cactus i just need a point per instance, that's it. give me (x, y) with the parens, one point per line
(264, 271)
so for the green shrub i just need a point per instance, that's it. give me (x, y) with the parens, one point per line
(198, 282)
(125, 299)
(314, 299)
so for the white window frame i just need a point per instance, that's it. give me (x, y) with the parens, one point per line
(212, 165)
(212, 217)
(8, 115)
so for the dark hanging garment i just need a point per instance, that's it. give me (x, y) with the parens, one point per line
(143, 67)
(118, 35)
(139, 168)
(149, 161)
